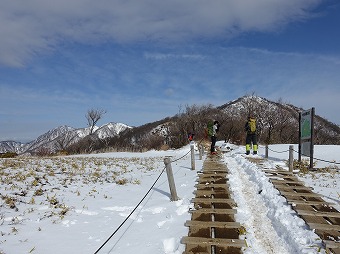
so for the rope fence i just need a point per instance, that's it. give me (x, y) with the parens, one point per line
(317, 159)
(131, 212)
(285, 151)
(144, 197)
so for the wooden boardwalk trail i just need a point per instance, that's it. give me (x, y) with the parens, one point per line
(318, 214)
(213, 228)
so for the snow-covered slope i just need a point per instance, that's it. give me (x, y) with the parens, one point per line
(61, 137)
(11, 146)
(110, 130)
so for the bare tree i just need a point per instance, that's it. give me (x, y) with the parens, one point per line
(192, 119)
(93, 116)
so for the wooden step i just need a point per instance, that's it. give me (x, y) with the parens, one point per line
(284, 178)
(213, 200)
(286, 182)
(278, 172)
(215, 211)
(210, 192)
(213, 176)
(212, 224)
(219, 172)
(303, 202)
(290, 187)
(321, 226)
(212, 185)
(300, 194)
(318, 214)
(213, 241)
(204, 178)
(332, 244)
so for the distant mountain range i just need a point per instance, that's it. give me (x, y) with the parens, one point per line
(275, 118)
(61, 137)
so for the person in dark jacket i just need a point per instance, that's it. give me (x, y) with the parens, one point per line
(215, 129)
(251, 138)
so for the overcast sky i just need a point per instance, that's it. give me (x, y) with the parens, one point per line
(143, 60)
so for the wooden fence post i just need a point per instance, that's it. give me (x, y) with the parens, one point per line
(200, 149)
(192, 156)
(291, 158)
(171, 181)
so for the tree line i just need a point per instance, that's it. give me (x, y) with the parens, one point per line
(277, 123)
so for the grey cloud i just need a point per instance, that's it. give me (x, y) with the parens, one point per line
(31, 27)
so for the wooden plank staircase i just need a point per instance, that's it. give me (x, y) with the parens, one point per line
(318, 214)
(212, 228)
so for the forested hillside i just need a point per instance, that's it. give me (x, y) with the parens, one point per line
(277, 123)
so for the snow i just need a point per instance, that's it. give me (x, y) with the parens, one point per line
(83, 201)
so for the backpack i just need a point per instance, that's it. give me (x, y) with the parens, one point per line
(210, 130)
(252, 125)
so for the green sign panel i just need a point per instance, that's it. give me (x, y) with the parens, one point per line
(306, 124)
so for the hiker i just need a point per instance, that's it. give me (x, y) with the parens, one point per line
(190, 136)
(213, 128)
(251, 139)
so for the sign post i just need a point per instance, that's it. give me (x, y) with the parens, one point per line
(306, 137)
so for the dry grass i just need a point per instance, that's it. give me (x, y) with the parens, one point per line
(42, 181)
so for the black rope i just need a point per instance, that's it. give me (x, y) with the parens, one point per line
(181, 157)
(130, 213)
(334, 162)
(278, 151)
(187, 152)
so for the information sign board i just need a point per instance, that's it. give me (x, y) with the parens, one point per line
(306, 124)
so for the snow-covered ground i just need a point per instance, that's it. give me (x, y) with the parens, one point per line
(74, 204)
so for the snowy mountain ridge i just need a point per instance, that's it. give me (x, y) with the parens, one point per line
(62, 136)
(269, 114)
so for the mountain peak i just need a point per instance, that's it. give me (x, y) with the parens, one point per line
(62, 136)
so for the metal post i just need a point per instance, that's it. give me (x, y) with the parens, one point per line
(192, 156)
(291, 158)
(266, 152)
(300, 141)
(171, 181)
(311, 163)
